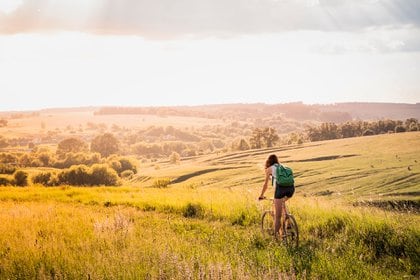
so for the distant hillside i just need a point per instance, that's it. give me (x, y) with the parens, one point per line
(339, 112)
(374, 111)
(297, 111)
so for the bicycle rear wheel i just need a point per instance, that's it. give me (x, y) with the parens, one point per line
(267, 223)
(291, 236)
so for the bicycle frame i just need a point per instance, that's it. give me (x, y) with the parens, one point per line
(290, 232)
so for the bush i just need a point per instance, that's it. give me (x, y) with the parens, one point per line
(74, 145)
(10, 158)
(4, 181)
(368, 132)
(128, 164)
(121, 164)
(103, 175)
(193, 210)
(127, 174)
(45, 178)
(174, 158)
(105, 144)
(71, 159)
(47, 159)
(413, 127)
(399, 129)
(76, 175)
(7, 169)
(161, 183)
(20, 178)
(81, 175)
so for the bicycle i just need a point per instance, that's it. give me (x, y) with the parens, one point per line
(290, 230)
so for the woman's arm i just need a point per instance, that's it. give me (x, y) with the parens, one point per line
(267, 178)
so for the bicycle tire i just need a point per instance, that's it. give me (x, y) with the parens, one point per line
(267, 223)
(291, 236)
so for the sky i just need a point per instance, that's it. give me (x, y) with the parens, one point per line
(61, 53)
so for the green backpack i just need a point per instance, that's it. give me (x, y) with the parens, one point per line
(284, 176)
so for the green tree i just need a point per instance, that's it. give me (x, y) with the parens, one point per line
(400, 128)
(20, 178)
(411, 124)
(71, 145)
(270, 137)
(174, 158)
(256, 140)
(413, 127)
(105, 144)
(347, 130)
(243, 145)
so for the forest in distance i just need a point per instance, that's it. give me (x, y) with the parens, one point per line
(110, 140)
(191, 130)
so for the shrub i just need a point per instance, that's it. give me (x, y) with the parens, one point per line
(121, 164)
(82, 175)
(127, 174)
(71, 159)
(116, 165)
(399, 129)
(46, 158)
(8, 158)
(193, 210)
(72, 144)
(4, 181)
(161, 183)
(174, 158)
(413, 127)
(105, 144)
(368, 132)
(45, 178)
(25, 160)
(103, 175)
(20, 178)
(7, 169)
(128, 164)
(76, 175)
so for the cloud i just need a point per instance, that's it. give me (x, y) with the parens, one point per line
(203, 18)
(371, 40)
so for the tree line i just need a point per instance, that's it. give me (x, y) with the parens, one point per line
(76, 164)
(329, 131)
(267, 137)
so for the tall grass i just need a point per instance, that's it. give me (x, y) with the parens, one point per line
(60, 238)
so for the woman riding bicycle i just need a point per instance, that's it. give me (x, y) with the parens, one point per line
(281, 194)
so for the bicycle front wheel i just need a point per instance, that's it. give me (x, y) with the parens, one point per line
(291, 236)
(267, 223)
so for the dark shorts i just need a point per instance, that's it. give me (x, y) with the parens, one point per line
(284, 191)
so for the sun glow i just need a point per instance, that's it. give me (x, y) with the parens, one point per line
(8, 6)
(77, 53)
(77, 69)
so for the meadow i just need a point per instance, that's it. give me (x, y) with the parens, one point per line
(356, 205)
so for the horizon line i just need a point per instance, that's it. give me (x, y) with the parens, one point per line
(196, 105)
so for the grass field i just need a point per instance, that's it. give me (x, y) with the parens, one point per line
(205, 223)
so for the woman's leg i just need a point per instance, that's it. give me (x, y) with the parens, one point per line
(277, 215)
(283, 213)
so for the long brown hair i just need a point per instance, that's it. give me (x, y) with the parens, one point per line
(272, 159)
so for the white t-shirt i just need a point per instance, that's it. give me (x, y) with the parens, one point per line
(273, 174)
